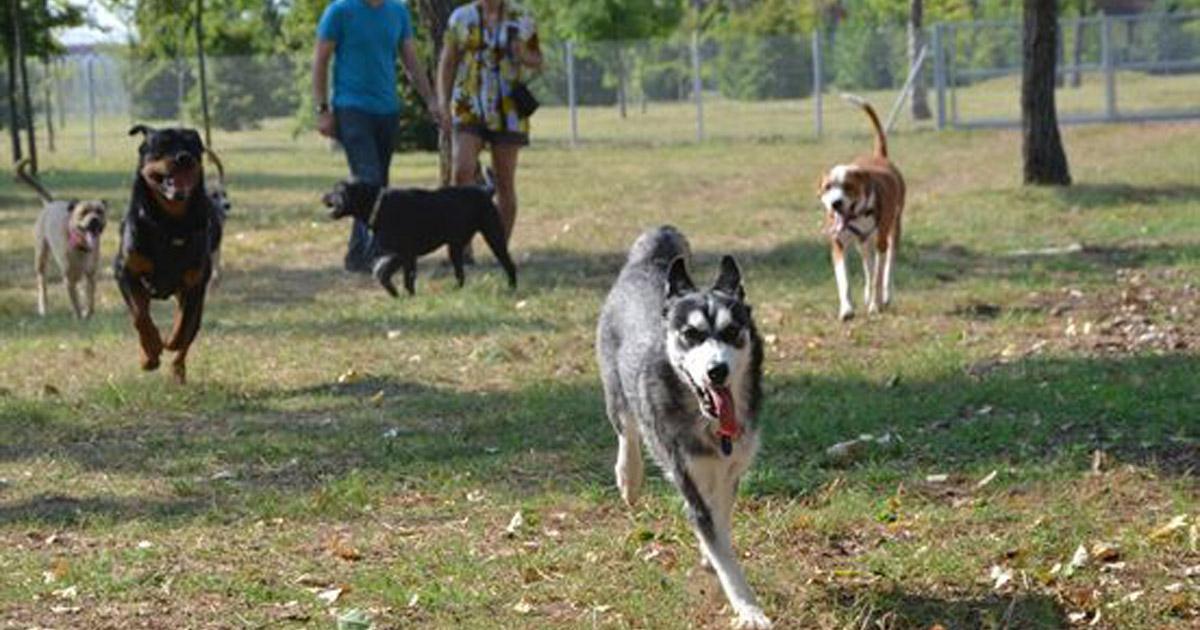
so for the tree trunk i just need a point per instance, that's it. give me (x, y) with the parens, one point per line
(49, 77)
(621, 94)
(1045, 161)
(26, 100)
(434, 16)
(203, 73)
(14, 122)
(916, 40)
(1077, 55)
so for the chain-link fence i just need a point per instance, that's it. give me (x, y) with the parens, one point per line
(686, 88)
(1110, 69)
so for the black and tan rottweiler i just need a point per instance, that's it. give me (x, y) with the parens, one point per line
(166, 241)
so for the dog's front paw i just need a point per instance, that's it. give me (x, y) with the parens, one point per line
(846, 314)
(751, 619)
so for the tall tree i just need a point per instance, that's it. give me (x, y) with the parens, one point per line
(916, 41)
(37, 21)
(1045, 160)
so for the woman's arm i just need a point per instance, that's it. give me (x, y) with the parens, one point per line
(447, 66)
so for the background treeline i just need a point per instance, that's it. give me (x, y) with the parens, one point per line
(627, 52)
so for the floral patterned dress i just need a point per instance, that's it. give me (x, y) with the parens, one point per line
(482, 98)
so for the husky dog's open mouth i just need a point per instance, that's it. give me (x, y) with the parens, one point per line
(716, 403)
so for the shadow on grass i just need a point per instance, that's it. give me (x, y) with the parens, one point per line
(896, 610)
(1089, 195)
(65, 511)
(234, 447)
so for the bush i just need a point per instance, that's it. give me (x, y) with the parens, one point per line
(751, 67)
(864, 56)
(242, 91)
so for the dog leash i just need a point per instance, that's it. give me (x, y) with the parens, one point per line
(375, 209)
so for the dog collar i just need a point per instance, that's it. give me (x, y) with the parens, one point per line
(375, 209)
(77, 240)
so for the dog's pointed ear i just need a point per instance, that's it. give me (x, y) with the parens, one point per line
(678, 281)
(729, 280)
(145, 130)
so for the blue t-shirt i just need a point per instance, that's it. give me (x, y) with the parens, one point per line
(366, 39)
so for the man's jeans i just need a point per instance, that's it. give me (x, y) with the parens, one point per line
(367, 139)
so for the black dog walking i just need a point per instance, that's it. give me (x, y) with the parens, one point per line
(411, 222)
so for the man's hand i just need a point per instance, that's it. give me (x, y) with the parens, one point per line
(325, 125)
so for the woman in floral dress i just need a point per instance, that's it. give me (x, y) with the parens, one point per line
(490, 46)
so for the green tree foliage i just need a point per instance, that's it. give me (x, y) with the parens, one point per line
(246, 78)
(39, 18)
(764, 51)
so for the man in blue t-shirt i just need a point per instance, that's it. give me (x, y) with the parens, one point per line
(362, 37)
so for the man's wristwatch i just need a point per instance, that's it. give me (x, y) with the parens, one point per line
(322, 108)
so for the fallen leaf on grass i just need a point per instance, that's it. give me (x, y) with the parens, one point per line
(1079, 559)
(939, 478)
(514, 524)
(349, 377)
(340, 549)
(311, 581)
(523, 607)
(986, 480)
(414, 600)
(377, 398)
(331, 595)
(70, 592)
(354, 619)
(1176, 524)
(1000, 576)
(65, 610)
(1105, 552)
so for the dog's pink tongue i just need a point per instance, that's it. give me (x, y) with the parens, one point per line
(726, 413)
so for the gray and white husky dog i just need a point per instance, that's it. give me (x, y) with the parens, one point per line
(681, 368)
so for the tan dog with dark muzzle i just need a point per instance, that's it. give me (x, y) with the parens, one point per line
(68, 231)
(863, 202)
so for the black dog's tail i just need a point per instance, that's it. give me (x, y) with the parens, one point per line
(24, 175)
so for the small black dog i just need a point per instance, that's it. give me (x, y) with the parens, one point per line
(411, 222)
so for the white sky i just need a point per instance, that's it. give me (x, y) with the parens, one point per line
(112, 29)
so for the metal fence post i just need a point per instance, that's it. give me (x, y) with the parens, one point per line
(939, 74)
(818, 85)
(91, 83)
(697, 86)
(1110, 78)
(571, 102)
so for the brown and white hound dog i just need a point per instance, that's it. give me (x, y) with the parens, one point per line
(864, 201)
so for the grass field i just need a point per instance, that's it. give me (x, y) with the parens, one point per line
(334, 442)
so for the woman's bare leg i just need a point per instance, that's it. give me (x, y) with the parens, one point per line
(504, 161)
(465, 158)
